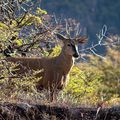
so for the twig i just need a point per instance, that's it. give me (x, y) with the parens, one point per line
(101, 36)
(18, 22)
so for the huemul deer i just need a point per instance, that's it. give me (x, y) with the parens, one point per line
(55, 74)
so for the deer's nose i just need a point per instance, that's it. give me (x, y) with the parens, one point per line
(76, 52)
(76, 55)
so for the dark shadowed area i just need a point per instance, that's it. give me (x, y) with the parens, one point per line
(92, 14)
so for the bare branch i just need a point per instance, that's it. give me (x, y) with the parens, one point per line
(18, 22)
(101, 36)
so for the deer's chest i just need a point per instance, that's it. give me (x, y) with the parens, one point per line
(55, 76)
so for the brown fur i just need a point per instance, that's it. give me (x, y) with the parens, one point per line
(55, 70)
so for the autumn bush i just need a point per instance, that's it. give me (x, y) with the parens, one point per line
(91, 81)
(97, 80)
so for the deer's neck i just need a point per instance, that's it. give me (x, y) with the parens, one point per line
(65, 62)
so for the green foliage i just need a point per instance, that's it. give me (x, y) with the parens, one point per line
(3, 26)
(97, 80)
(91, 82)
(83, 85)
(19, 42)
(11, 31)
(111, 73)
(30, 19)
(39, 11)
(13, 86)
(56, 51)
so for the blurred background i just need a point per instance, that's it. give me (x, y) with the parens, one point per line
(26, 29)
(92, 14)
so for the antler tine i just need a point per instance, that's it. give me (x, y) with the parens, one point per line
(67, 29)
(78, 30)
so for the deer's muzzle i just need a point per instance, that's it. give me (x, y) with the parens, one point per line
(76, 52)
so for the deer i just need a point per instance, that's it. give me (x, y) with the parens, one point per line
(55, 74)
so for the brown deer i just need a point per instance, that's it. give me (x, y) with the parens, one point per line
(55, 74)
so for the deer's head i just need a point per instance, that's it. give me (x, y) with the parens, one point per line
(71, 44)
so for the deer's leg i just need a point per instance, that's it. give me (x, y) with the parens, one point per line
(53, 95)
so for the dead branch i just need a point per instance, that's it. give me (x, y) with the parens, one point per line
(101, 36)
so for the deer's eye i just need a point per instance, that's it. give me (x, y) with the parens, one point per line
(69, 45)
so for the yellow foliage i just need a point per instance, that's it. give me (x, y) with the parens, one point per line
(3, 26)
(4, 34)
(30, 19)
(39, 11)
(38, 20)
(13, 24)
(114, 101)
(19, 42)
(17, 85)
(56, 51)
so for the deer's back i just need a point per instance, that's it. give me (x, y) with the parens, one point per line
(52, 74)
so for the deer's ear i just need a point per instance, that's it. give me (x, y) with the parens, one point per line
(60, 36)
(82, 39)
